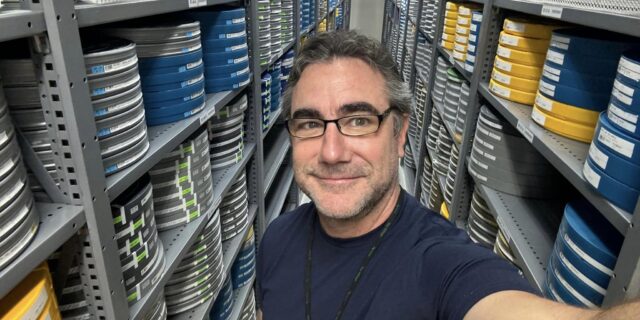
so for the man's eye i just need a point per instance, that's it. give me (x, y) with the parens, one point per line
(359, 122)
(309, 124)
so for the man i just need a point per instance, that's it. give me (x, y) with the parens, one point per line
(364, 248)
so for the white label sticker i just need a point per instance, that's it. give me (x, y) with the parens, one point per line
(547, 88)
(508, 39)
(598, 156)
(525, 131)
(464, 11)
(544, 103)
(460, 48)
(552, 70)
(471, 48)
(621, 96)
(502, 77)
(504, 52)
(623, 88)
(245, 58)
(616, 143)
(559, 45)
(504, 92)
(555, 57)
(473, 38)
(538, 117)
(474, 27)
(196, 3)
(235, 35)
(121, 65)
(451, 60)
(458, 55)
(207, 115)
(621, 122)
(550, 76)
(591, 176)
(633, 118)
(631, 66)
(463, 21)
(551, 11)
(239, 47)
(514, 26)
(503, 65)
(471, 58)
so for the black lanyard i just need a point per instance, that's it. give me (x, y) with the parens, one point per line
(358, 276)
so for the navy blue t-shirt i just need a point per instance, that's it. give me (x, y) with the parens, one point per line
(425, 268)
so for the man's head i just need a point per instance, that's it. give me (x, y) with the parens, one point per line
(337, 75)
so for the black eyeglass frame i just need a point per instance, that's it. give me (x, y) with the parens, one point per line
(381, 118)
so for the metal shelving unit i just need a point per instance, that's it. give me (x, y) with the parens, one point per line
(86, 194)
(275, 205)
(530, 236)
(530, 228)
(239, 297)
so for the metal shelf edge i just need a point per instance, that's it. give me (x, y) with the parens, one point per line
(556, 150)
(58, 222)
(240, 297)
(273, 166)
(277, 203)
(94, 14)
(20, 23)
(164, 138)
(455, 63)
(277, 56)
(272, 121)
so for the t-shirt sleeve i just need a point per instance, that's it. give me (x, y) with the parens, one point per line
(459, 274)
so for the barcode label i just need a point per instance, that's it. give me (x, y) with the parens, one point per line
(551, 11)
(196, 3)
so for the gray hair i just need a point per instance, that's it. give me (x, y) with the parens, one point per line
(349, 44)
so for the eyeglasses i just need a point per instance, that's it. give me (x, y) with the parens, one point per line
(353, 126)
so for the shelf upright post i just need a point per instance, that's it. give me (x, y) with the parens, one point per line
(463, 187)
(412, 83)
(67, 106)
(625, 283)
(422, 148)
(255, 172)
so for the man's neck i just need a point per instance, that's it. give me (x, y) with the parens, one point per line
(351, 228)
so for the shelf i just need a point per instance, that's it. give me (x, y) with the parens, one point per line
(273, 118)
(530, 226)
(18, 23)
(274, 158)
(177, 241)
(442, 180)
(58, 222)
(566, 155)
(450, 126)
(163, 139)
(239, 297)
(597, 19)
(95, 14)
(456, 64)
(409, 178)
(275, 204)
(230, 250)
(277, 56)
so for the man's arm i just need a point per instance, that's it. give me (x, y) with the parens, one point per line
(519, 305)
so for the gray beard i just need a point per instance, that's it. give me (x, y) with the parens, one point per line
(366, 205)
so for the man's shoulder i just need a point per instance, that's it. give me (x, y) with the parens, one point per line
(289, 222)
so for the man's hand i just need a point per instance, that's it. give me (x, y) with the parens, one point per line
(525, 306)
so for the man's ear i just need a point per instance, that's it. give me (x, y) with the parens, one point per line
(402, 135)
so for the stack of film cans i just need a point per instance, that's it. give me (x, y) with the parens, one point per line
(171, 67)
(440, 85)
(275, 21)
(276, 74)
(305, 14)
(223, 306)
(503, 160)
(159, 309)
(472, 45)
(182, 187)
(415, 126)
(19, 219)
(32, 298)
(613, 165)
(265, 85)
(429, 13)
(287, 22)
(226, 54)
(452, 95)
(482, 226)
(249, 307)
(425, 181)
(433, 133)
(116, 97)
(461, 115)
(583, 258)
(140, 248)
(451, 175)
(287, 64)
(72, 302)
(234, 209)
(503, 249)
(200, 273)
(409, 161)
(23, 99)
(244, 267)
(226, 134)
(264, 31)
(443, 152)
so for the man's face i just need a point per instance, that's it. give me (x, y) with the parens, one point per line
(345, 176)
